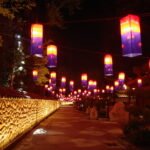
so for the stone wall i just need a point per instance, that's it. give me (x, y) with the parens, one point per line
(17, 116)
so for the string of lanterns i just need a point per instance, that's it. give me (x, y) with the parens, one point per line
(131, 47)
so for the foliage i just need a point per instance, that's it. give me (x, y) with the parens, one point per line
(138, 128)
(55, 8)
(42, 72)
(8, 8)
(14, 11)
(40, 65)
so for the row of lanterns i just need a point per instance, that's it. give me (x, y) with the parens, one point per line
(131, 47)
(90, 85)
(37, 46)
(130, 37)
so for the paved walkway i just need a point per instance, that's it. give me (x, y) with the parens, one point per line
(69, 129)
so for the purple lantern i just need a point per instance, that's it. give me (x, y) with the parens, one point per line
(71, 85)
(37, 40)
(84, 80)
(52, 56)
(108, 69)
(130, 36)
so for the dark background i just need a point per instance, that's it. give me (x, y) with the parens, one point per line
(93, 31)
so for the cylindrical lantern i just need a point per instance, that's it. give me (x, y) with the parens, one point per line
(64, 90)
(35, 74)
(75, 92)
(46, 86)
(63, 82)
(94, 84)
(121, 78)
(71, 85)
(149, 63)
(53, 77)
(130, 36)
(90, 84)
(95, 91)
(116, 84)
(103, 91)
(84, 80)
(37, 40)
(107, 88)
(60, 90)
(108, 68)
(52, 56)
(79, 91)
(139, 82)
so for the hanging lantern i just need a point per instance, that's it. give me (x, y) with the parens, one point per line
(71, 85)
(116, 84)
(89, 93)
(108, 69)
(53, 77)
(103, 91)
(75, 92)
(107, 88)
(63, 82)
(90, 85)
(35, 74)
(79, 91)
(139, 82)
(121, 78)
(95, 91)
(46, 86)
(84, 80)
(52, 56)
(94, 84)
(130, 36)
(64, 90)
(60, 90)
(37, 39)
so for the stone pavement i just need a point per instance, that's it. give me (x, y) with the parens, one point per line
(70, 129)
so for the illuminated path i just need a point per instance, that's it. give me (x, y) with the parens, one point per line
(69, 129)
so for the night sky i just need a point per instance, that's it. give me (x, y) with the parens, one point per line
(93, 31)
